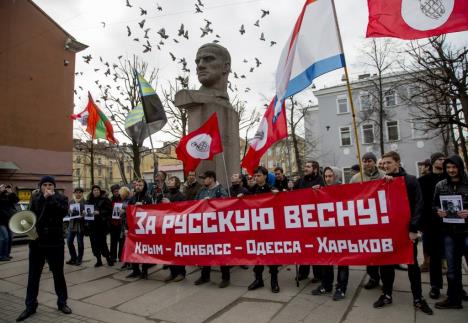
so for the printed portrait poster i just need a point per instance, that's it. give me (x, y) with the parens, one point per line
(74, 211)
(452, 204)
(116, 212)
(89, 212)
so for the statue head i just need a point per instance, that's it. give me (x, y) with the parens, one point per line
(213, 66)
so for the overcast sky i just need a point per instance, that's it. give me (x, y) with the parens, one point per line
(102, 25)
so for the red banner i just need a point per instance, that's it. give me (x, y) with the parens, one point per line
(354, 224)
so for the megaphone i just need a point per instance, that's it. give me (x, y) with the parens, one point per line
(24, 222)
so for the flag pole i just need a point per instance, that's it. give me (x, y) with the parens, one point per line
(350, 94)
(225, 173)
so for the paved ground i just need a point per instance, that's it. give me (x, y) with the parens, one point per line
(105, 295)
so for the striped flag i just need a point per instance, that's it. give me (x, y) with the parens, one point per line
(153, 110)
(97, 124)
(135, 125)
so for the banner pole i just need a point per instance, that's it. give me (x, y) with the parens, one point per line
(225, 173)
(350, 94)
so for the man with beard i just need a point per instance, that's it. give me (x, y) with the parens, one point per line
(237, 188)
(455, 233)
(261, 186)
(140, 197)
(311, 179)
(431, 224)
(191, 186)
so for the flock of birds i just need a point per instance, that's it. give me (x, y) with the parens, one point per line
(143, 34)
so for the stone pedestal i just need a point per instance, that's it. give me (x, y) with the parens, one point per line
(200, 105)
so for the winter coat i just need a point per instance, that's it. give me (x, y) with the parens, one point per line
(448, 187)
(50, 212)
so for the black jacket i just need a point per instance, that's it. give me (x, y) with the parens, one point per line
(257, 189)
(430, 221)
(176, 196)
(7, 206)
(50, 213)
(309, 181)
(238, 189)
(282, 185)
(447, 187)
(104, 206)
(414, 197)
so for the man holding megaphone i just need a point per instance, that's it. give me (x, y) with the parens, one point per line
(50, 208)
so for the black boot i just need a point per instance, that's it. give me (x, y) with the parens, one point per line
(98, 262)
(274, 284)
(110, 261)
(257, 283)
(25, 314)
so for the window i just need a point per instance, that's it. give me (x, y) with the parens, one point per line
(393, 131)
(414, 91)
(418, 130)
(342, 103)
(345, 136)
(365, 101)
(367, 133)
(390, 98)
(347, 174)
(78, 159)
(78, 172)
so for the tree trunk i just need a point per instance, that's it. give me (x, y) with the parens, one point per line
(381, 117)
(136, 159)
(297, 152)
(454, 140)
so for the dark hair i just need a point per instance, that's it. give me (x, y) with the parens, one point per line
(314, 163)
(209, 173)
(279, 168)
(176, 180)
(261, 169)
(162, 172)
(393, 155)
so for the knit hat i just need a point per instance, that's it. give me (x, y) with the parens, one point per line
(369, 155)
(47, 179)
(436, 156)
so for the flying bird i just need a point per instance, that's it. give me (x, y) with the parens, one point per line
(242, 30)
(262, 37)
(172, 56)
(129, 32)
(257, 23)
(265, 13)
(257, 62)
(87, 58)
(197, 9)
(142, 23)
(143, 12)
(128, 4)
(103, 24)
(186, 34)
(181, 30)
(146, 33)
(158, 7)
(200, 3)
(162, 33)
(272, 43)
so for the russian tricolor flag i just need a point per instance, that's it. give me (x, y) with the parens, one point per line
(312, 49)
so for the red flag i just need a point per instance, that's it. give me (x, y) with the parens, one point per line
(96, 122)
(267, 134)
(413, 19)
(203, 143)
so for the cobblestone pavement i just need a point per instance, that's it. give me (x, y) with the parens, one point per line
(105, 295)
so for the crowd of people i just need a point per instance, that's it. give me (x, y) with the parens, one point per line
(433, 199)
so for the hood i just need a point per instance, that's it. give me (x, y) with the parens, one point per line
(455, 159)
(336, 171)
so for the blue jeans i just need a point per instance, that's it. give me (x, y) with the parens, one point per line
(71, 246)
(4, 241)
(456, 245)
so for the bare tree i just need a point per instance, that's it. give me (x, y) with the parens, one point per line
(380, 58)
(295, 112)
(442, 72)
(122, 96)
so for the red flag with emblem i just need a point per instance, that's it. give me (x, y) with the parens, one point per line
(203, 143)
(413, 19)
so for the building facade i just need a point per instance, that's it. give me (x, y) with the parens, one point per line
(37, 65)
(329, 125)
